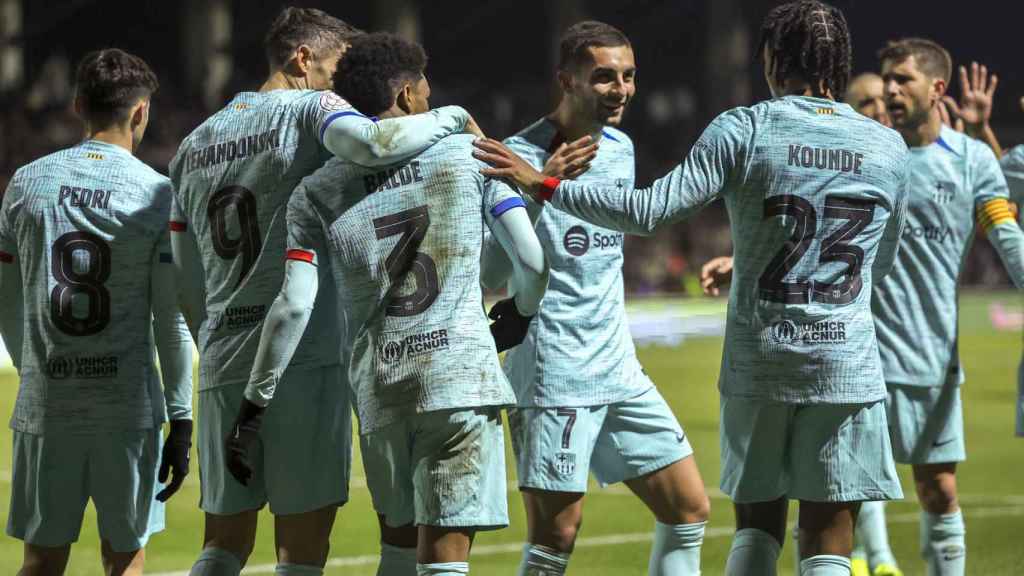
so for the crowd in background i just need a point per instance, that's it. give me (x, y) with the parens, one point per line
(41, 120)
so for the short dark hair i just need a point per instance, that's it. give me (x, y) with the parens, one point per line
(109, 82)
(374, 68)
(931, 58)
(572, 50)
(317, 29)
(808, 40)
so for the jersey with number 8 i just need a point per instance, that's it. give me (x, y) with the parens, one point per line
(87, 224)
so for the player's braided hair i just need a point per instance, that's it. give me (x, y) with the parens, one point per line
(808, 40)
(109, 82)
(317, 29)
(374, 68)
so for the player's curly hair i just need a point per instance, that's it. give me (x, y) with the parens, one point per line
(109, 82)
(572, 47)
(317, 29)
(930, 57)
(374, 68)
(808, 40)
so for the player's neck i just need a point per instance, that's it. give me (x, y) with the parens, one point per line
(924, 133)
(279, 80)
(571, 125)
(117, 136)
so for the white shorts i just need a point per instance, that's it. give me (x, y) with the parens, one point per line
(926, 424)
(55, 475)
(304, 458)
(818, 453)
(443, 468)
(556, 447)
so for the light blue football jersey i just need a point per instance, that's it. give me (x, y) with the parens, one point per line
(233, 176)
(578, 351)
(916, 306)
(1012, 164)
(87, 225)
(815, 195)
(403, 245)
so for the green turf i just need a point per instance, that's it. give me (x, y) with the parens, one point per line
(991, 481)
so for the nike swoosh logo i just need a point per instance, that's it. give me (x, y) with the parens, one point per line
(680, 438)
(943, 443)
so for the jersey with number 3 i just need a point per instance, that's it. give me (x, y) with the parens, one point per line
(87, 224)
(815, 194)
(233, 176)
(403, 245)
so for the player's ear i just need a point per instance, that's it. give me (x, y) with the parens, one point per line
(404, 98)
(139, 113)
(565, 80)
(301, 61)
(939, 87)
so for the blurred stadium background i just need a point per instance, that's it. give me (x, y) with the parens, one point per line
(495, 58)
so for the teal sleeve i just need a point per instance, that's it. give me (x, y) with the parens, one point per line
(495, 265)
(189, 274)
(351, 136)
(514, 232)
(282, 329)
(692, 185)
(173, 344)
(12, 317)
(1008, 240)
(1012, 164)
(889, 245)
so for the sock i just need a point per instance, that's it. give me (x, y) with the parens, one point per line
(289, 569)
(872, 535)
(396, 561)
(442, 569)
(942, 543)
(216, 562)
(676, 550)
(825, 565)
(796, 549)
(542, 561)
(753, 553)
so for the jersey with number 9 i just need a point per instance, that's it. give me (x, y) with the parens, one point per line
(233, 176)
(88, 224)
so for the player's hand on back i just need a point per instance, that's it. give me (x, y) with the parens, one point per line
(571, 159)
(715, 274)
(174, 458)
(242, 436)
(510, 326)
(507, 164)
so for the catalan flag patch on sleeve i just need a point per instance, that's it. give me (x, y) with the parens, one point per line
(993, 213)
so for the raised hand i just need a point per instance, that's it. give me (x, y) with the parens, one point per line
(976, 93)
(716, 273)
(571, 159)
(957, 124)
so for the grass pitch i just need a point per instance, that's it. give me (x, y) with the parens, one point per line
(616, 528)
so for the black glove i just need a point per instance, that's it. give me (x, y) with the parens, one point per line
(244, 433)
(174, 458)
(509, 327)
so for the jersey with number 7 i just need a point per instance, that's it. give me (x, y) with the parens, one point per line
(816, 195)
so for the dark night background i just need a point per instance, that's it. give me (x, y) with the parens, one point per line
(695, 59)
